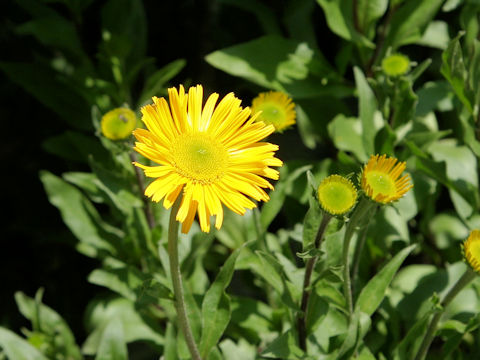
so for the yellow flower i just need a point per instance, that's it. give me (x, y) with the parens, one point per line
(337, 194)
(380, 179)
(118, 123)
(396, 65)
(276, 109)
(211, 154)
(471, 250)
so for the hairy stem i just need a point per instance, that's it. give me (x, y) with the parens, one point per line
(360, 211)
(141, 184)
(468, 276)
(302, 315)
(180, 306)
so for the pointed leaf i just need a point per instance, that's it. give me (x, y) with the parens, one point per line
(373, 293)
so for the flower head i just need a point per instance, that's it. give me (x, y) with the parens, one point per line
(211, 154)
(396, 65)
(337, 195)
(380, 179)
(276, 109)
(118, 123)
(471, 250)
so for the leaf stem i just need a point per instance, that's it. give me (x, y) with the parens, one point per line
(180, 306)
(360, 211)
(302, 315)
(468, 276)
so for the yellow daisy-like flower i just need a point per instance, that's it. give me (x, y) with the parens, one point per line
(211, 153)
(276, 109)
(118, 123)
(396, 65)
(471, 250)
(380, 179)
(337, 195)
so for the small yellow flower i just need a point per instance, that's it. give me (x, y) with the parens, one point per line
(396, 65)
(337, 195)
(211, 153)
(471, 250)
(277, 109)
(118, 123)
(380, 179)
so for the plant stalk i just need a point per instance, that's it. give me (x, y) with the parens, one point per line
(302, 315)
(180, 306)
(360, 211)
(141, 184)
(468, 276)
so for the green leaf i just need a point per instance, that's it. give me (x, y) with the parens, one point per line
(284, 347)
(434, 96)
(367, 105)
(346, 134)
(170, 350)
(311, 223)
(125, 21)
(280, 64)
(112, 344)
(155, 84)
(273, 272)
(373, 293)
(238, 351)
(49, 322)
(216, 306)
(368, 12)
(316, 311)
(96, 237)
(77, 147)
(461, 165)
(436, 35)
(100, 313)
(18, 348)
(357, 329)
(57, 32)
(454, 70)
(410, 21)
(130, 283)
(339, 16)
(411, 342)
(404, 103)
(277, 198)
(305, 128)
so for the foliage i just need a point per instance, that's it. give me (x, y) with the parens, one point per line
(243, 283)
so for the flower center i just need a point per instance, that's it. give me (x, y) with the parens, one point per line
(381, 183)
(199, 157)
(337, 196)
(271, 114)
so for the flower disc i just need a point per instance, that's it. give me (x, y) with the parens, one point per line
(380, 179)
(212, 154)
(118, 124)
(337, 195)
(276, 109)
(396, 65)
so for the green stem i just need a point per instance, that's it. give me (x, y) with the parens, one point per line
(360, 211)
(302, 315)
(358, 252)
(141, 184)
(177, 282)
(468, 276)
